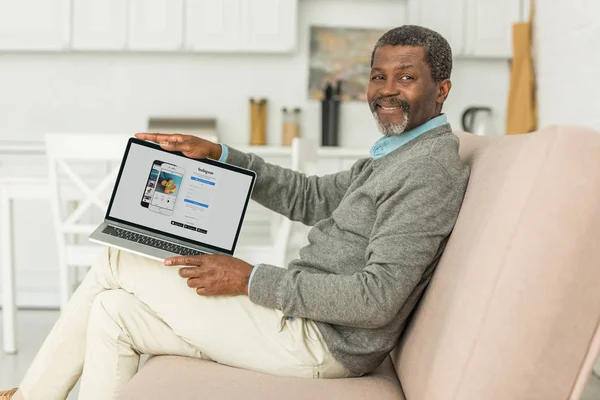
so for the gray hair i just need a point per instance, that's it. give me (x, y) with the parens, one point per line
(438, 54)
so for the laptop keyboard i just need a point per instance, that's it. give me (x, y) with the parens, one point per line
(150, 241)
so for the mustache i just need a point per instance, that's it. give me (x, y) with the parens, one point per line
(390, 102)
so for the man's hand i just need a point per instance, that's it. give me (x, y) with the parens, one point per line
(191, 146)
(214, 275)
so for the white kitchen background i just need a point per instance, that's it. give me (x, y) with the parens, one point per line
(58, 74)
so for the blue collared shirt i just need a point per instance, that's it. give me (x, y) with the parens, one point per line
(387, 144)
(224, 153)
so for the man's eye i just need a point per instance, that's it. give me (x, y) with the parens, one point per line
(406, 78)
(377, 77)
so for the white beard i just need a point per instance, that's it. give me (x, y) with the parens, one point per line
(391, 129)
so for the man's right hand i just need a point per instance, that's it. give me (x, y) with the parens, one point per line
(190, 146)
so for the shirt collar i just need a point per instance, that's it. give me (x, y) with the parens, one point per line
(387, 144)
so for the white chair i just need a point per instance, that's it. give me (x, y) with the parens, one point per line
(11, 189)
(70, 157)
(271, 245)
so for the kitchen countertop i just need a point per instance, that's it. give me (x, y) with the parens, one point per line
(38, 148)
(22, 147)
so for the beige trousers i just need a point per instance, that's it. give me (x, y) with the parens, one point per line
(129, 305)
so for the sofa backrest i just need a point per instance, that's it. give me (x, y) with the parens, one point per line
(513, 308)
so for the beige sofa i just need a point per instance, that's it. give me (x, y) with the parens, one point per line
(512, 311)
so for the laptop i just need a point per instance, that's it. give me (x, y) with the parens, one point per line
(165, 204)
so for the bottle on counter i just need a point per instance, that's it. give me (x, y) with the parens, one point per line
(258, 122)
(330, 113)
(291, 125)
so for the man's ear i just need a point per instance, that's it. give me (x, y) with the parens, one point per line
(443, 91)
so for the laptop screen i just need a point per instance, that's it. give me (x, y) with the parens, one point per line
(202, 201)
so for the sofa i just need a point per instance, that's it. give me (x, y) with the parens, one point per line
(511, 312)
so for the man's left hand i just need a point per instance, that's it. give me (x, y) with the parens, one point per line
(214, 275)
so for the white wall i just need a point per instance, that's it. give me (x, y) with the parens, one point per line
(567, 41)
(111, 92)
(100, 92)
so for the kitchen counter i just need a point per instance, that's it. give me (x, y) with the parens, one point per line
(37, 148)
(21, 147)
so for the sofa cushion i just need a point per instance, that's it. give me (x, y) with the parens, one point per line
(172, 377)
(513, 306)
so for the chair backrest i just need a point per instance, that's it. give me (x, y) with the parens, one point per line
(512, 311)
(70, 153)
(304, 158)
(304, 154)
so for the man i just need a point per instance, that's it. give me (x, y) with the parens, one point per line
(337, 311)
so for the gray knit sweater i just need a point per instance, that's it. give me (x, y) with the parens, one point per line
(378, 232)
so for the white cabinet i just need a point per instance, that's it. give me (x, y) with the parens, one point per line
(474, 28)
(155, 24)
(34, 24)
(491, 36)
(213, 25)
(266, 26)
(99, 24)
(269, 25)
(259, 26)
(447, 17)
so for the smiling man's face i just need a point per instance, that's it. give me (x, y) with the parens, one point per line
(402, 94)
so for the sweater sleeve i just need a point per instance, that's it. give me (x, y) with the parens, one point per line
(411, 224)
(307, 199)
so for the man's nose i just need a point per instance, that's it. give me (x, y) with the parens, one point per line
(391, 88)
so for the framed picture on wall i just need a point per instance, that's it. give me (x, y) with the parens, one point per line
(341, 54)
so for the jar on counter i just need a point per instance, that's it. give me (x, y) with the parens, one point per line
(291, 125)
(258, 122)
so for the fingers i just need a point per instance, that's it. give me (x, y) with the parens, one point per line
(182, 146)
(193, 272)
(173, 142)
(202, 286)
(204, 291)
(190, 146)
(151, 137)
(196, 283)
(159, 137)
(195, 261)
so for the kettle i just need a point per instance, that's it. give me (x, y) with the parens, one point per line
(478, 120)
